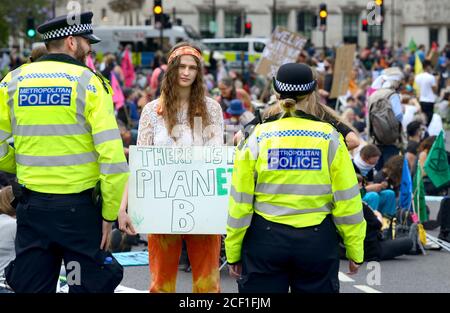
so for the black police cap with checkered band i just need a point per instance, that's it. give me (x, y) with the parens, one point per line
(293, 80)
(69, 25)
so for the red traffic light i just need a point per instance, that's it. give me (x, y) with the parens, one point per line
(365, 25)
(248, 28)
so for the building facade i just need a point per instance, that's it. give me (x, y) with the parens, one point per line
(424, 21)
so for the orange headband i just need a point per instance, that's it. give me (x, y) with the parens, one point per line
(184, 50)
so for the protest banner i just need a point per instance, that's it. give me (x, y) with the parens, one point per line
(180, 190)
(284, 47)
(342, 70)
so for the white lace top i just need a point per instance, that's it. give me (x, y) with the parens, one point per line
(153, 131)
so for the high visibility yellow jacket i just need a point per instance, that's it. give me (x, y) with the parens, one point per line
(295, 171)
(66, 139)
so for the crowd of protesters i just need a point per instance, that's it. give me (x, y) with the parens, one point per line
(423, 109)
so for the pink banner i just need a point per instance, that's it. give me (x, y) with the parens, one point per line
(128, 68)
(90, 62)
(118, 97)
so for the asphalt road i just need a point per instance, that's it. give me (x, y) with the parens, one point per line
(408, 273)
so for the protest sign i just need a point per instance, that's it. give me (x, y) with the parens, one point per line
(342, 70)
(284, 47)
(180, 190)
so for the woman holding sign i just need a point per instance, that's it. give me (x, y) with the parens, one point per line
(293, 190)
(182, 116)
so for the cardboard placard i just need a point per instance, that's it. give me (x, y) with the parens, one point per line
(284, 47)
(180, 190)
(342, 72)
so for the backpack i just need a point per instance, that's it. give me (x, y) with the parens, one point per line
(160, 79)
(404, 226)
(383, 125)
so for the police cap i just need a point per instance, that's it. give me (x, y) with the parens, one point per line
(293, 80)
(69, 25)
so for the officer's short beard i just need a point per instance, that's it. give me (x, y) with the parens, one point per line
(80, 54)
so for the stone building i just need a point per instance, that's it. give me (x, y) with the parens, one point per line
(424, 21)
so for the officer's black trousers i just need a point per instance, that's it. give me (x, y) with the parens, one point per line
(52, 228)
(276, 257)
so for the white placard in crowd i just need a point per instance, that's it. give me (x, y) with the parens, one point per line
(176, 190)
(284, 47)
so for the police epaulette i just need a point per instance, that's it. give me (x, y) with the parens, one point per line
(102, 79)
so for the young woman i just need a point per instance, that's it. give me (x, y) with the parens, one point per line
(169, 121)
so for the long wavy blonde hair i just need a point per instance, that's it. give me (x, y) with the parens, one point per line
(169, 102)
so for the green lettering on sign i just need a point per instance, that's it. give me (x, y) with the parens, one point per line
(221, 180)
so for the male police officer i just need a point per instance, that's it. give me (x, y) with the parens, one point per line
(66, 144)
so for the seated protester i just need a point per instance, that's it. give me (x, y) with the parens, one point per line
(239, 117)
(8, 227)
(376, 195)
(414, 132)
(391, 173)
(376, 248)
(424, 149)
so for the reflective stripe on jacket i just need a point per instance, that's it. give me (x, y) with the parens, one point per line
(295, 171)
(66, 138)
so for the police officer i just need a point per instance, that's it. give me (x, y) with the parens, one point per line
(293, 191)
(69, 158)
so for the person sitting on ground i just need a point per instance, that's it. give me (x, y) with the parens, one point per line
(8, 227)
(376, 195)
(376, 248)
(391, 173)
(414, 131)
(424, 150)
(239, 117)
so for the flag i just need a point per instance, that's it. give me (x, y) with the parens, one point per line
(418, 68)
(128, 68)
(405, 187)
(90, 62)
(412, 45)
(118, 97)
(434, 46)
(436, 164)
(419, 195)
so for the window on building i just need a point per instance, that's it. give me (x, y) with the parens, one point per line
(104, 15)
(205, 20)
(350, 28)
(230, 24)
(434, 35)
(306, 22)
(374, 34)
(281, 19)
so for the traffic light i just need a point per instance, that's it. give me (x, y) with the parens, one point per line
(30, 30)
(248, 28)
(380, 5)
(323, 14)
(158, 11)
(238, 25)
(365, 25)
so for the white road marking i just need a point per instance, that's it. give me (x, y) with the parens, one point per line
(344, 278)
(367, 289)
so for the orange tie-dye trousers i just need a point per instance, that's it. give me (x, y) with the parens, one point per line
(203, 252)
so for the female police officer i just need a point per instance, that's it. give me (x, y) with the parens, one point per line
(293, 186)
